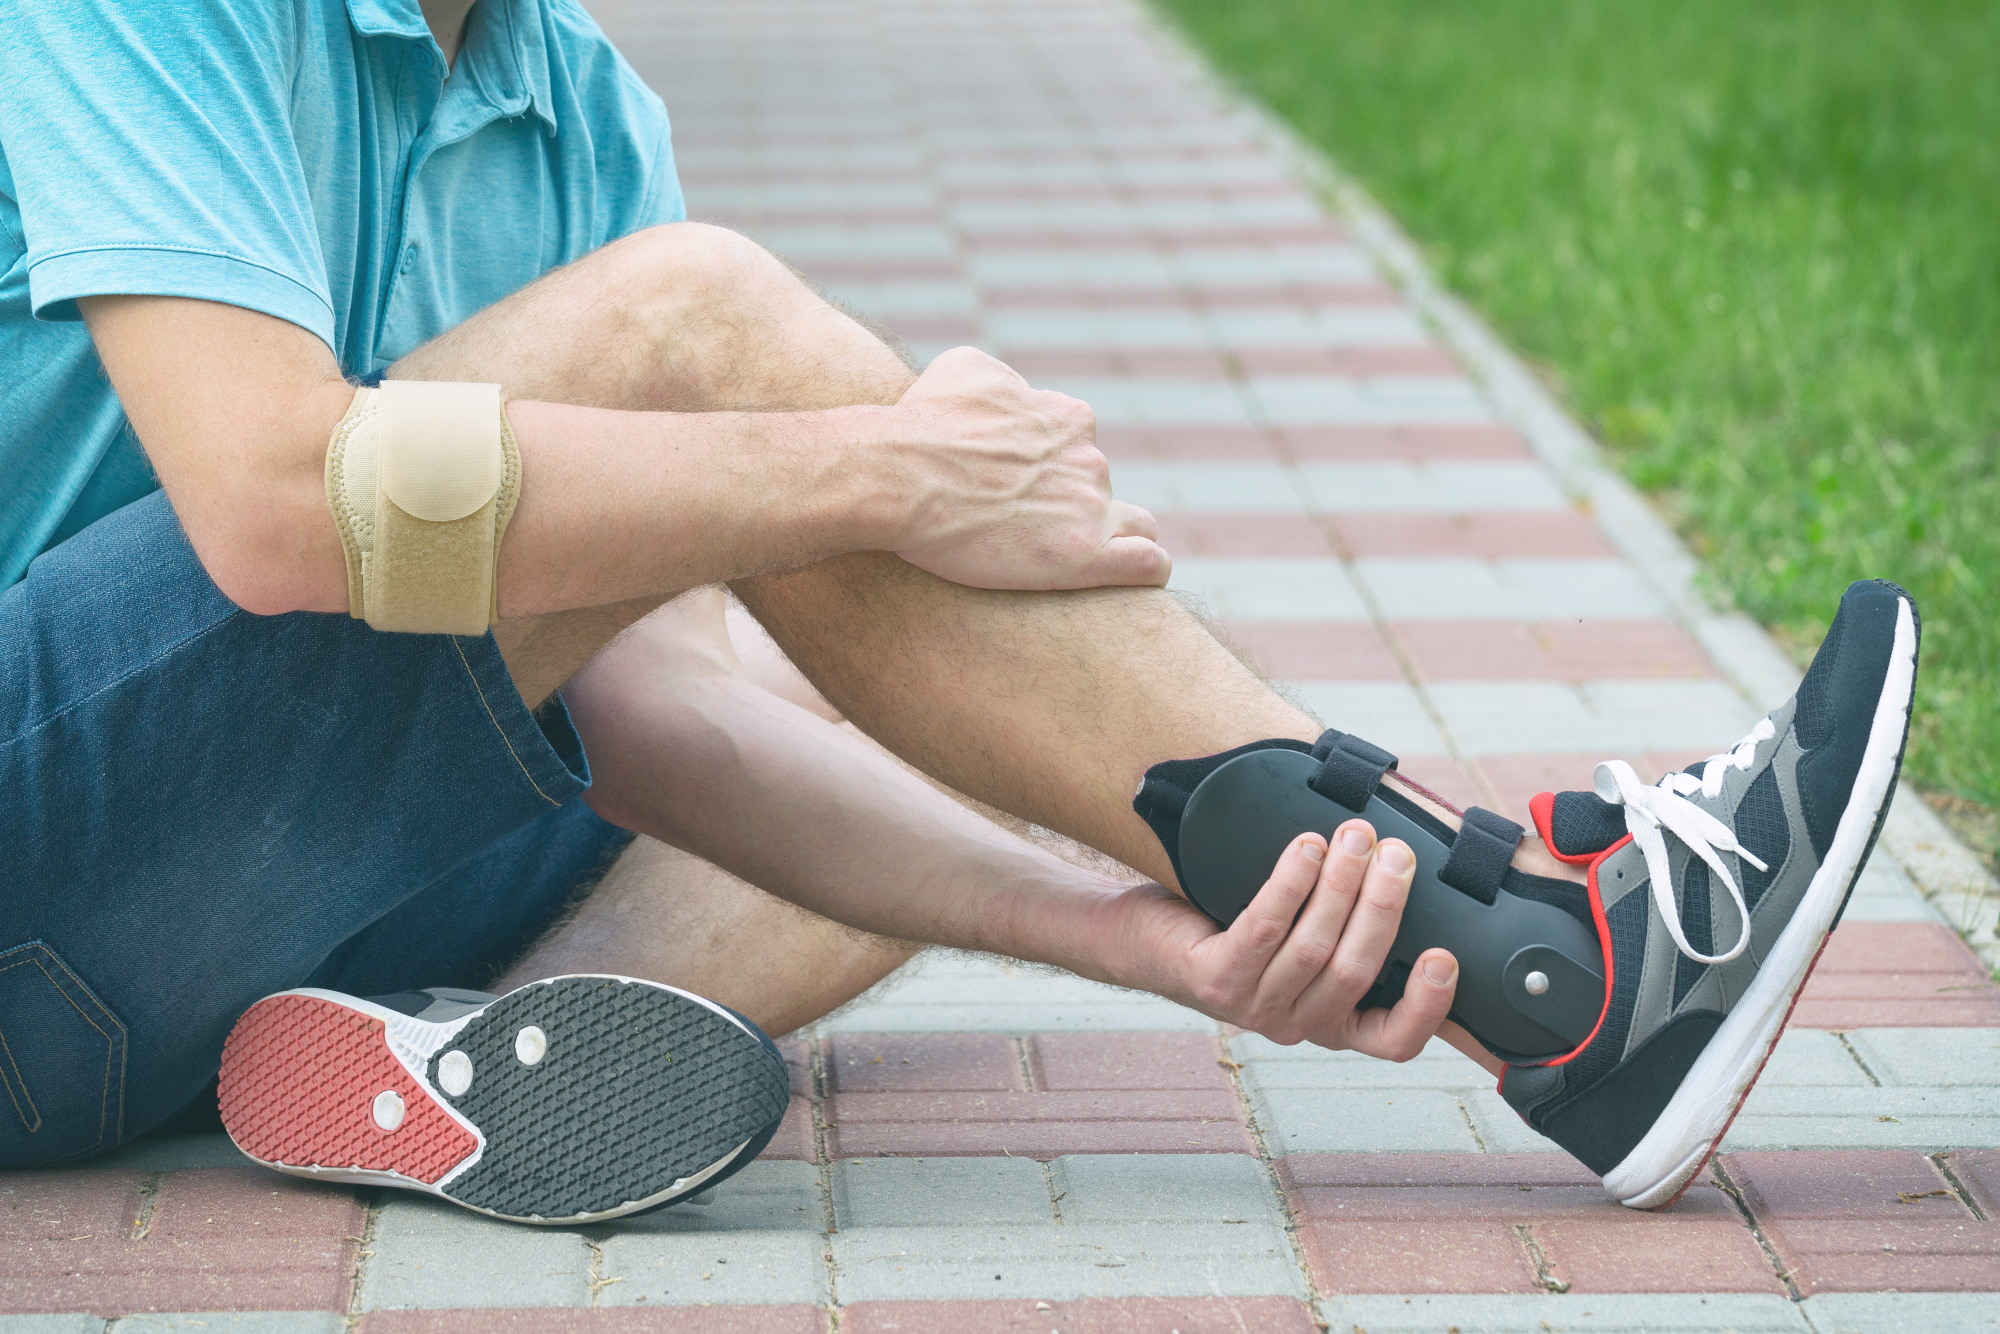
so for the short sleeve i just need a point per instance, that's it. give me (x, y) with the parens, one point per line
(152, 153)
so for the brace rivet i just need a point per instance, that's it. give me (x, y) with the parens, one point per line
(1536, 983)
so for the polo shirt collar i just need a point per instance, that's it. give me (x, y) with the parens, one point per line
(506, 49)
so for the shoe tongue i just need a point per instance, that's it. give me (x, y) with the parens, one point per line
(1578, 824)
(436, 1004)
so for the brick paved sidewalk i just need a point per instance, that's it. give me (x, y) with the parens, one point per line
(989, 1147)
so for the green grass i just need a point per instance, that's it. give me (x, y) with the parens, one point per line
(1754, 243)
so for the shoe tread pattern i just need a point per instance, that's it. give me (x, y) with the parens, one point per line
(640, 1087)
(299, 1079)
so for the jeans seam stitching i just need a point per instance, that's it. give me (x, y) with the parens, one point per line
(505, 740)
(104, 1091)
(48, 955)
(71, 706)
(18, 1080)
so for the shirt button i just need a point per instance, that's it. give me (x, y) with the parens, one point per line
(409, 257)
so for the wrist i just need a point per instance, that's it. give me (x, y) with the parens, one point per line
(1069, 918)
(861, 496)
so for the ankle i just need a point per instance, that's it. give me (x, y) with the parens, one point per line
(1532, 856)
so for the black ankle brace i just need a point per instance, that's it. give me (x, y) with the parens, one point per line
(1531, 972)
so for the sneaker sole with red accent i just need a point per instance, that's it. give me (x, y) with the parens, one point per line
(638, 1096)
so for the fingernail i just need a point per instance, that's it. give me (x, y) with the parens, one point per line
(1394, 857)
(1357, 841)
(1439, 971)
(1310, 849)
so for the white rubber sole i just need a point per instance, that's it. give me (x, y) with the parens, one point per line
(1685, 1134)
(413, 1042)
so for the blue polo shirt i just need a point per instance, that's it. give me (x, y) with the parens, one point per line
(304, 158)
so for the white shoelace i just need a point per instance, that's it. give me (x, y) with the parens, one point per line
(1650, 809)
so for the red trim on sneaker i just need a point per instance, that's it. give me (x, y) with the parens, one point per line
(1603, 943)
(1542, 808)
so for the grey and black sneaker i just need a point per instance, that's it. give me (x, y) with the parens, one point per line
(571, 1100)
(1714, 892)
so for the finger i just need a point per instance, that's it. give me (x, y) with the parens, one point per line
(1371, 925)
(1399, 1033)
(1316, 934)
(1137, 561)
(1259, 929)
(1132, 521)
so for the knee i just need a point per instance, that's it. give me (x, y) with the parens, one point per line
(694, 264)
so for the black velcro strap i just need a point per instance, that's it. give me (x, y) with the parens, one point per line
(1350, 768)
(1480, 854)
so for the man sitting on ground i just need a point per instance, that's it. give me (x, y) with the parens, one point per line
(257, 739)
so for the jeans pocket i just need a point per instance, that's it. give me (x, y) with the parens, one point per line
(62, 1062)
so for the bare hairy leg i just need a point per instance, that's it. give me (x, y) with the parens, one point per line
(668, 916)
(685, 318)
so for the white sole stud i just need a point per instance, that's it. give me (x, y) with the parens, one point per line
(388, 1109)
(455, 1073)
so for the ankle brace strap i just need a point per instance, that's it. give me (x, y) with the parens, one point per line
(1481, 854)
(1350, 769)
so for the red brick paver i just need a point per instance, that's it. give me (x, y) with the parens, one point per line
(1898, 974)
(1388, 1223)
(1862, 1221)
(1401, 444)
(1247, 535)
(941, 1095)
(110, 1242)
(794, 1319)
(1573, 651)
(1093, 1315)
(1306, 651)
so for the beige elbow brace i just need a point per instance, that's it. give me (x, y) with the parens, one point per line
(422, 477)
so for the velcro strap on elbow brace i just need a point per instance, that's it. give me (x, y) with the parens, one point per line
(422, 478)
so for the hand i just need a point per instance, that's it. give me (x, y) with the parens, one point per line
(1295, 976)
(1007, 489)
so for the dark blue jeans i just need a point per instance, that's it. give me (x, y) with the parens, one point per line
(199, 807)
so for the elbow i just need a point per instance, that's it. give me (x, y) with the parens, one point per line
(263, 559)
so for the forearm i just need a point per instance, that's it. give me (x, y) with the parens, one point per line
(614, 505)
(815, 814)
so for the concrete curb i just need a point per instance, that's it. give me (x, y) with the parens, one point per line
(1950, 875)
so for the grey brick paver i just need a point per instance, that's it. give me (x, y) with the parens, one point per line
(1163, 1188)
(1208, 488)
(1059, 1262)
(435, 1256)
(695, 1267)
(1903, 1312)
(51, 1324)
(939, 1192)
(1389, 713)
(1271, 588)
(1922, 1057)
(1594, 1313)
(1922, 1118)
